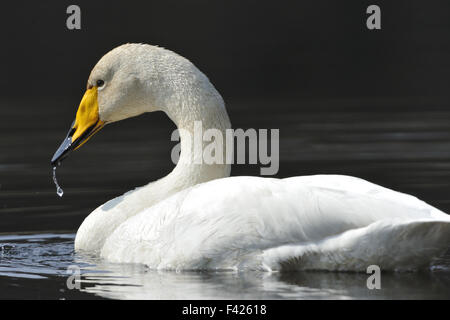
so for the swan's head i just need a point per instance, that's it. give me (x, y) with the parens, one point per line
(130, 80)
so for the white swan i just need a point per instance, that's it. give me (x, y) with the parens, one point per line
(197, 218)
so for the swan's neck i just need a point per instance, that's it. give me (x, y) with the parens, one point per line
(195, 164)
(191, 168)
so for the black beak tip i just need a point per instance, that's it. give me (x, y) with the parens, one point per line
(63, 151)
(56, 161)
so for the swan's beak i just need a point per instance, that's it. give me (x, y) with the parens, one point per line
(86, 124)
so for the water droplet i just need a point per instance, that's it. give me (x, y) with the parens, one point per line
(59, 190)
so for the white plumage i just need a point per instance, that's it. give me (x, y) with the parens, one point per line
(197, 218)
(313, 222)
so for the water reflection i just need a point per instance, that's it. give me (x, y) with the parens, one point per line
(37, 265)
(137, 282)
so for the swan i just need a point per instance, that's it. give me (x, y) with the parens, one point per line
(197, 217)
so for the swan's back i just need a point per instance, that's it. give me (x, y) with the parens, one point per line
(313, 222)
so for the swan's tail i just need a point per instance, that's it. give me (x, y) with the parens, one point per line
(389, 244)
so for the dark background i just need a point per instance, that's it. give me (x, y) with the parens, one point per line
(247, 48)
(346, 99)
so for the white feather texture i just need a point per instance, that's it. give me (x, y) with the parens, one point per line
(197, 218)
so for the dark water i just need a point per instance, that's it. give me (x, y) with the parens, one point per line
(401, 143)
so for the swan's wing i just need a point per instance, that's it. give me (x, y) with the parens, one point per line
(389, 244)
(229, 222)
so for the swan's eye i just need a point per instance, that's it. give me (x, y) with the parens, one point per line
(100, 83)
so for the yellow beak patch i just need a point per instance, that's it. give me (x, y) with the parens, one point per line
(87, 121)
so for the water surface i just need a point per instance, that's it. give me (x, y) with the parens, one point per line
(43, 263)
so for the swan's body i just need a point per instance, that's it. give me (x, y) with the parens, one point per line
(295, 223)
(197, 218)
